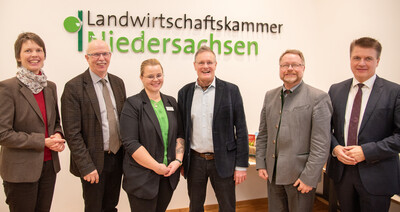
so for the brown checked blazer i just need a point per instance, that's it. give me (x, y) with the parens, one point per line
(22, 131)
(82, 122)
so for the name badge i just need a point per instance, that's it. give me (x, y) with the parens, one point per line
(169, 108)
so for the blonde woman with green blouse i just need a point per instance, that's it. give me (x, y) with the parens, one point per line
(152, 135)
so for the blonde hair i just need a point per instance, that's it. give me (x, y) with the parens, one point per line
(150, 62)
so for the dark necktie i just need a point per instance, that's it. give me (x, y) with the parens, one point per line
(114, 141)
(355, 117)
(284, 95)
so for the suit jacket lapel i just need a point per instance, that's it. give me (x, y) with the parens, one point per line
(220, 88)
(49, 101)
(117, 91)
(91, 93)
(342, 102)
(148, 109)
(372, 101)
(189, 101)
(31, 99)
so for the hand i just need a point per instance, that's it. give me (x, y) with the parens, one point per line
(302, 187)
(57, 135)
(263, 174)
(239, 176)
(355, 152)
(55, 142)
(161, 169)
(61, 146)
(173, 166)
(92, 177)
(341, 155)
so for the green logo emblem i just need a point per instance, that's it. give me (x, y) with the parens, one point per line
(72, 24)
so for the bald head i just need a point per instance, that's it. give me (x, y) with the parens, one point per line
(95, 44)
(98, 56)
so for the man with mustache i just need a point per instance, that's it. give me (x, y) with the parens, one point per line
(293, 141)
(91, 106)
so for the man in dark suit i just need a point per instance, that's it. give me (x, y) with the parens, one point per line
(365, 142)
(91, 105)
(215, 134)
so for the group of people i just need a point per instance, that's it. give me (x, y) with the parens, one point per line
(150, 138)
(146, 138)
(355, 128)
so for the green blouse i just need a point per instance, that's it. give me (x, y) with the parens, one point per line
(162, 117)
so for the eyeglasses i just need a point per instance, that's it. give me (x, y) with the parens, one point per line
(204, 63)
(295, 66)
(152, 77)
(97, 55)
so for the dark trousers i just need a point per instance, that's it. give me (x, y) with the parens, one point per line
(199, 172)
(32, 197)
(104, 196)
(157, 204)
(285, 198)
(353, 196)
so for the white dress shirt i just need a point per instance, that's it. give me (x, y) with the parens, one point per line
(366, 92)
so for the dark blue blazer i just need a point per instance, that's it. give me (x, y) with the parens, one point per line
(229, 130)
(379, 136)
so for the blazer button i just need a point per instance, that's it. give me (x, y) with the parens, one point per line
(273, 155)
(273, 141)
(276, 126)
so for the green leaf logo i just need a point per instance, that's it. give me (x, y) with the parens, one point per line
(72, 24)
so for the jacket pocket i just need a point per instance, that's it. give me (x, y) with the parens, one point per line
(303, 107)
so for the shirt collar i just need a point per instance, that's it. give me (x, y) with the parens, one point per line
(211, 85)
(292, 89)
(368, 83)
(96, 78)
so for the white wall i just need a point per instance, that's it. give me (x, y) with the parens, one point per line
(321, 29)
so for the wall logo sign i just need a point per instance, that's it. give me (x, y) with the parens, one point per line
(73, 24)
(106, 27)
